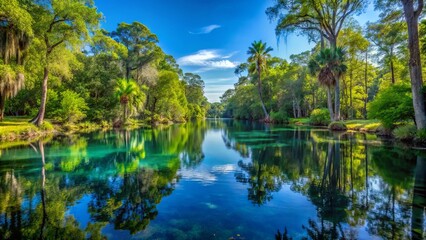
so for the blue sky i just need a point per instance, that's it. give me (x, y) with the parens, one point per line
(208, 37)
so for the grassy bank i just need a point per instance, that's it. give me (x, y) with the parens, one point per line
(352, 125)
(19, 129)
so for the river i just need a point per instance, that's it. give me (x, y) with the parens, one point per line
(214, 179)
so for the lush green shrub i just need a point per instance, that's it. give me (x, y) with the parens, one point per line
(337, 126)
(72, 108)
(279, 117)
(320, 117)
(392, 105)
(405, 132)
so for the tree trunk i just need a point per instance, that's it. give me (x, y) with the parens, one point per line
(299, 109)
(337, 100)
(2, 105)
(124, 112)
(351, 106)
(259, 88)
(330, 103)
(412, 17)
(333, 44)
(38, 120)
(392, 70)
(294, 109)
(365, 85)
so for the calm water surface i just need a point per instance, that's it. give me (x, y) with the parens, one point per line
(213, 180)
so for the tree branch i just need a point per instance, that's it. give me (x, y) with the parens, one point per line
(420, 5)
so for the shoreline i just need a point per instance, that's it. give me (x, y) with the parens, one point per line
(33, 133)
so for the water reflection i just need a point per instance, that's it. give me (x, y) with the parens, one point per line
(334, 171)
(114, 185)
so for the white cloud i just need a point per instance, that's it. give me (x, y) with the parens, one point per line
(207, 60)
(206, 29)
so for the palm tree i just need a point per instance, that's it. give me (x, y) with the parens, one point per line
(128, 93)
(259, 53)
(329, 65)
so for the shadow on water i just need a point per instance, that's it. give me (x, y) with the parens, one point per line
(111, 184)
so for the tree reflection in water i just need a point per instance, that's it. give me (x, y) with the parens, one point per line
(125, 175)
(351, 182)
(356, 188)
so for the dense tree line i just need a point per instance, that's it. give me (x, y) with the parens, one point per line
(352, 72)
(72, 70)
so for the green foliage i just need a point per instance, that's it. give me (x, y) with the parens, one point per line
(279, 117)
(194, 92)
(47, 126)
(72, 107)
(391, 106)
(320, 117)
(405, 132)
(167, 98)
(129, 94)
(216, 110)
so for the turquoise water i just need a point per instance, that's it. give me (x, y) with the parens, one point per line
(218, 179)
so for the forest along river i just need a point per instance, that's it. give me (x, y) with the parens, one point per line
(217, 179)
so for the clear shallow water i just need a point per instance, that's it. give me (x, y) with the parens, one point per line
(213, 180)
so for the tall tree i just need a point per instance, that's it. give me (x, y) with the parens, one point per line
(412, 17)
(194, 92)
(354, 43)
(141, 45)
(15, 33)
(259, 53)
(61, 24)
(329, 65)
(412, 11)
(318, 19)
(387, 35)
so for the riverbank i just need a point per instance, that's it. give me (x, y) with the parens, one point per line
(359, 125)
(17, 129)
